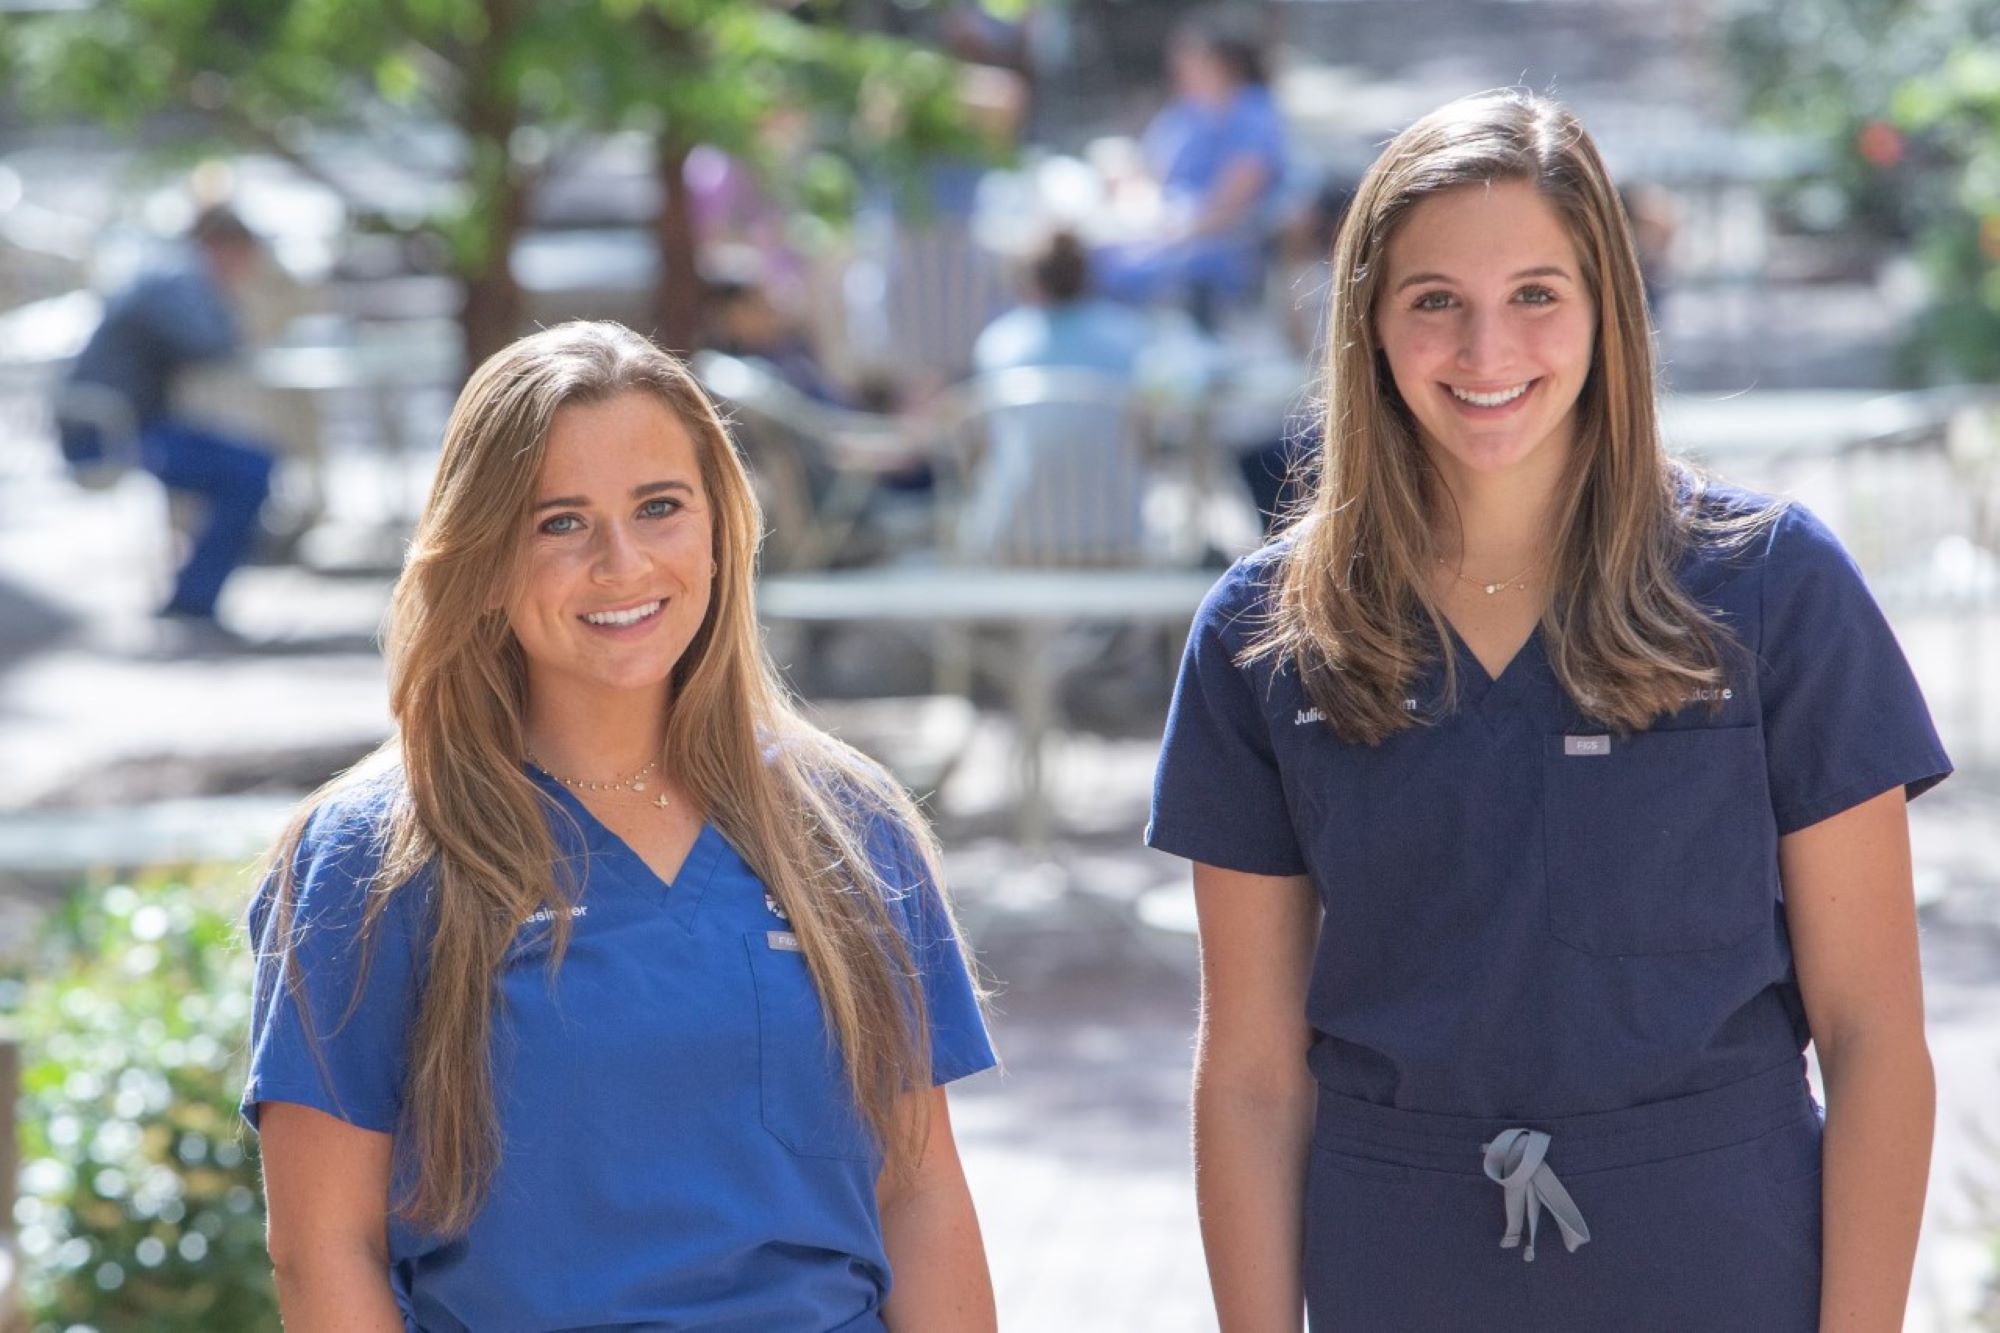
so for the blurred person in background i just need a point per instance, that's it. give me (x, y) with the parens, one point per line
(743, 321)
(1060, 477)
(1217, 156)
(610, 992)
(1063, 322)
(173, 316)
(1546, 801)
(1655, 219)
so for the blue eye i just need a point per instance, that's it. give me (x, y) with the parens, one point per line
(550, 527)
(1536, 296)
(660, 506)
(1433, 301)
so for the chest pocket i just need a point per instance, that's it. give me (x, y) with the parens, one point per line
(1658, 843)
(803, 1090)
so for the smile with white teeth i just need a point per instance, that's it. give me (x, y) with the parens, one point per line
(631, 616)
(1500, 399)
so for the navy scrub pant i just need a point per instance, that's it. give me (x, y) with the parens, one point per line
(234, 478)
(1702, 1212)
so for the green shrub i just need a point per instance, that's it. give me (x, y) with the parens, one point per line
(139, 1204)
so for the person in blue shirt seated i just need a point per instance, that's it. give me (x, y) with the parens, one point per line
(173, 315)
(1217, 153)
(1063, 323)
(1060, 479)
(609, 992)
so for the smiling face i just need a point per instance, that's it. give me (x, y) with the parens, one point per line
(616, 565)
(1488, 328)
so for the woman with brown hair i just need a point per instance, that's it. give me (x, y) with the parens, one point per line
(609, 993)
(1545, 801)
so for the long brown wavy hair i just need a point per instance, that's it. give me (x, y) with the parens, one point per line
(470, 829)
(1352, 609)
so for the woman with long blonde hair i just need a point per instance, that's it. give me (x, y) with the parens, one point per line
(1545, 803)
(609, 992)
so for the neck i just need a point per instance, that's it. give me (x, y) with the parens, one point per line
(595, 735)
(1505, 520)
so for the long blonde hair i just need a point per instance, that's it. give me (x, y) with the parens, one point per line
(471, 827)
(1352, 609)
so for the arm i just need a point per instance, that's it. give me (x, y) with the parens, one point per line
(931, 1235)
(1235, 194)
(326, 1185)
(1849, 906)
(1253, 1095)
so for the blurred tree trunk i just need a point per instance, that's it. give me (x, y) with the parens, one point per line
(490, 316)
(677, 291)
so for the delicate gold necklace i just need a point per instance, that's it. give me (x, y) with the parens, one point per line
(1519, 580)
(637, 782)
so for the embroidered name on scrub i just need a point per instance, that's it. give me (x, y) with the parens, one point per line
(1586, 745)
(782, 939)
(1307, 716)
(545, 916)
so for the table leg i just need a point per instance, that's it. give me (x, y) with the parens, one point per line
(1034, 705)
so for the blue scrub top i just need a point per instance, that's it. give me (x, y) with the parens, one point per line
(1190, 145)
(681, 1149)
(1524, 915)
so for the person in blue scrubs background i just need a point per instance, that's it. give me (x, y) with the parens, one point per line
(1217, 155)
(1546, 800)
(609, 993)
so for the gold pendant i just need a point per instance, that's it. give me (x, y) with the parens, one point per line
(638, 785)
(1492, 588)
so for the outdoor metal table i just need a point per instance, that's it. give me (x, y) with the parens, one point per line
(1033, 605)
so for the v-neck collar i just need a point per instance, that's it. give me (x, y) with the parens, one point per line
(1480, 689)
(681, 897)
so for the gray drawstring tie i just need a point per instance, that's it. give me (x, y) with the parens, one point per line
(1515, 1162)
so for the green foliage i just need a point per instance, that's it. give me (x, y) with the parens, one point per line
(1906, 95)
(522, 81)
(139, 1204)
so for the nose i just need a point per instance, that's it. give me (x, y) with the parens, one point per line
(1485, 342)
(617, 556)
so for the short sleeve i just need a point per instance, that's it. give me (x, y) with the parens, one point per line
(1844, 720)
(1218, 797)
(336, 1039)
(959, 1044)
(1259, 133)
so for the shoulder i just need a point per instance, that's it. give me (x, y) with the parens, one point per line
(355, 814)
(172, 283)
(1255, 108)
(1781, 539)
(1727, 531)
(1240, 605)
(1114, 319)
(342, 839)
(1010, 335)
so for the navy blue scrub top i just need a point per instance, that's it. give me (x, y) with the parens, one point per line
(1526, 916)
(681, 1150)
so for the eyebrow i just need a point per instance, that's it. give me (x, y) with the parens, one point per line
(1542, 271)
(638, 493)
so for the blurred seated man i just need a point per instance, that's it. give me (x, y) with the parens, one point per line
(1060, 481)
(742, 321)
(174, 315)
(1063, 323)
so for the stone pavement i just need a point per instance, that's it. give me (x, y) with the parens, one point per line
(1077, 1153)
